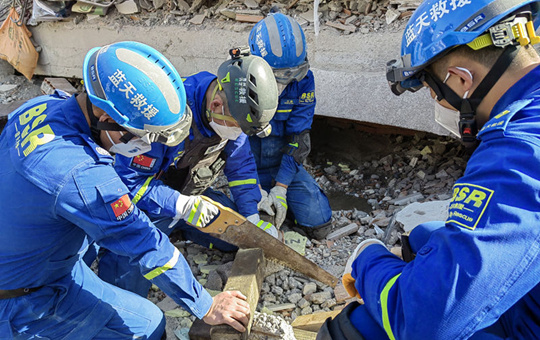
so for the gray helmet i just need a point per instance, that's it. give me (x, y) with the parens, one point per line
(251, 91)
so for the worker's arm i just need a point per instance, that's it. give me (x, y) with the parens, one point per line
(241, 172)
(108, 216)
(297, 129)
(473, 270)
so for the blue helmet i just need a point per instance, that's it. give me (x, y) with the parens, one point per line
(280, 41)
(438, 26)
(140, 89)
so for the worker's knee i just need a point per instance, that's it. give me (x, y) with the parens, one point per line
(158, 332)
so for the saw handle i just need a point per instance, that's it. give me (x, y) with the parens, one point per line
(224, 219)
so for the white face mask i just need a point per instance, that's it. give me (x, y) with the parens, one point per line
(226, 132)
(280, 88)
(134, 147)
(449, 118)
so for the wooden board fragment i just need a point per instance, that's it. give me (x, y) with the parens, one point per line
(313, 322)
(246, 276)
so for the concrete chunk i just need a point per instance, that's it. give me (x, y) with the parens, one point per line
(341, 232)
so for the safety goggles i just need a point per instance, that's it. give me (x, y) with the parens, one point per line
(289, 74)
(515, 31)
(170, 136)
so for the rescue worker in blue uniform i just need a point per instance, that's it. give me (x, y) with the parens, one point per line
(279, 39)
(476, 275)
(216, 144)
(60, 192)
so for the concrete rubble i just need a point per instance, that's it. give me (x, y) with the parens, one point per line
(346, 17)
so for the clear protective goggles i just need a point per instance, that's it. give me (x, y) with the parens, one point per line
(170, 136)
(287, 75)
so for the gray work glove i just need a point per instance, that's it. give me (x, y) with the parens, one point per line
(265, 204)
(278, 198)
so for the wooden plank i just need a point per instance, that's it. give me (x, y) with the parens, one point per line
(301, 334)
(312, 322)
(247, 274)
(248, 18)
(199, 330)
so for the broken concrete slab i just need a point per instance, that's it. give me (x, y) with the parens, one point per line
(344, 231)
(197, 19)
(340, 26)
(417, 213)
(127, 7)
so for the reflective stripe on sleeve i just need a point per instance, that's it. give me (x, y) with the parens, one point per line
(142, 190)
(286, 110)
(242, 182)
(384, 306)
(160, 270)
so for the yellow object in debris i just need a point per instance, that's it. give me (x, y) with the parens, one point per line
(296, 241)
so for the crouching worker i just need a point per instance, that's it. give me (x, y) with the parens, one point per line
(288, 187)
(60, 191)
(241, 98)
(475, 276)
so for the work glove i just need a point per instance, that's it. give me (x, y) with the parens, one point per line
(265, 204)
(266, 226)
(347, 279)
(195, 211)
(278, 199)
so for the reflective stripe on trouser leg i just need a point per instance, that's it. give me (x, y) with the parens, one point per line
(384, 306)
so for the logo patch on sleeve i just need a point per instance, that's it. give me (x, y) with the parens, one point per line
(468, 204)
(122, 208)
(143, 162)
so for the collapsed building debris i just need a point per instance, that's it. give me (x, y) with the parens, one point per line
(345, 16)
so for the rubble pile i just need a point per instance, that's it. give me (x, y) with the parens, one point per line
(344, 16)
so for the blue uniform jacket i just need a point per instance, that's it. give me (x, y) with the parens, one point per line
(158, 199)
(59, 188)
(294, 114)
(484, 264)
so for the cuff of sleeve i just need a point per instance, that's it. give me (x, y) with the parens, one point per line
(287, 170)
(202, 304)
(372, 250)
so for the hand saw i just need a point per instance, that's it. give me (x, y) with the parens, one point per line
(235, 229)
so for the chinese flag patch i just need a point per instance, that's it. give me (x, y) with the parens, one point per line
(122, 208)
(143, 162)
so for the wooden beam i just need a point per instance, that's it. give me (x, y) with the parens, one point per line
(247, 274)
(199, 330)
(301, 334)
(313, 322)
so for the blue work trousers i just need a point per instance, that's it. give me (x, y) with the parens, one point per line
(118, 271)
(307, 203)
(80, 306)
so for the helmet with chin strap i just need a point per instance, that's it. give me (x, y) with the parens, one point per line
(436, 28)
(139, 89)
(280, 40)
(251, 91)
